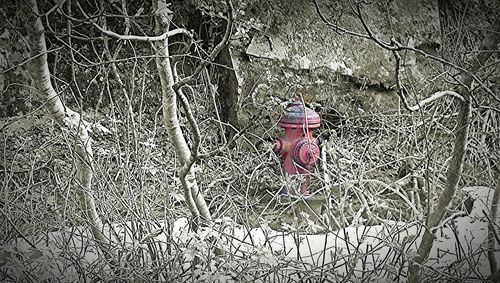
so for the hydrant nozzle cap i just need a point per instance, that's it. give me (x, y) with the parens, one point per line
(297, 115)
(306, 152)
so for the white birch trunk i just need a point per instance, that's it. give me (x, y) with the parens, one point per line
(67, 119)
(195, 200)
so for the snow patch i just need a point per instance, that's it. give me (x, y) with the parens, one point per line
(340, 67)
(377, 252)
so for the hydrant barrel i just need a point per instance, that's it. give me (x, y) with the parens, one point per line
(298, 147)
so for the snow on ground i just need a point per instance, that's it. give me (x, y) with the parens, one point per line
(380, 251)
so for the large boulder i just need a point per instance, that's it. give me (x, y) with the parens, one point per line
(282, 49)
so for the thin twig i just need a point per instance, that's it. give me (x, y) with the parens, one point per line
(215, 51)
(31, 58)
(397, 46)
(17, 229)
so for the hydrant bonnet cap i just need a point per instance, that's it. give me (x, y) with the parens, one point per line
(297, 115)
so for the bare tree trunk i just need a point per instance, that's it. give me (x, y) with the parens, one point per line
(488, 45)
(455, 167)
(452, 178)
(68, 119)
(194, 198)
(492, 232)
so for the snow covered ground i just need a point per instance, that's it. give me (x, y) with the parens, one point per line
(379, 252)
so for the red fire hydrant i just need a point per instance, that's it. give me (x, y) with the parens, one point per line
(298, 148)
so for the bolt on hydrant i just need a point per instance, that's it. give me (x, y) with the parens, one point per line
(298, 147)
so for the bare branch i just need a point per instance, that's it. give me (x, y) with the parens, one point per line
(215, 51)
(373, 36)
(434, 97)
(29, 59)
(213, 91)
(475, 78)
(87, 19)
(190, 117)
(395, 46)
(143, 38)
(19, 232)
(337, 28)
(401, 90)
(137, 37)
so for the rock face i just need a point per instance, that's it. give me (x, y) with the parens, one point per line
(282, 49)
